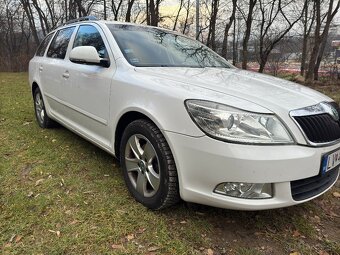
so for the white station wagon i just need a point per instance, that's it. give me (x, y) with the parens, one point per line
(183, 122)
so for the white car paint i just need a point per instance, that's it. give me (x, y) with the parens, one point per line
(90, 100)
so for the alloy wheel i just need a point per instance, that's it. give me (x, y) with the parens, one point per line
(142, 165)
(39, 107)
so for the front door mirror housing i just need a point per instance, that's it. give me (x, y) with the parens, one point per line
(88, 55)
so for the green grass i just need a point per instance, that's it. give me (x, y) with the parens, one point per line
(60, 194)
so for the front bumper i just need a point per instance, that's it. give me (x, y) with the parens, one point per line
(203, 162)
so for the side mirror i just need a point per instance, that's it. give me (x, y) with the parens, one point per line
(87, 55)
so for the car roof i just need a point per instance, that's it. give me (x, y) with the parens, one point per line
(92, 19)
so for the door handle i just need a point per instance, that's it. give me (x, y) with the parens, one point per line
(41, 68)
(66, 75)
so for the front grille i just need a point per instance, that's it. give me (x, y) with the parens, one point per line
(312, 186)
(320, 128)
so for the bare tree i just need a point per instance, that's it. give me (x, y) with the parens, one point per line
(44, 21)
(181, 3)
(104, 10)
(246, 37)
(153, 12)
(16, 45)
(270, 11)
(227, 28)
(129, 10)
(307, 21)
(115, 7)
(182, 19)
(320, 38)
(212, 25)
(264, 23)
(30, 16)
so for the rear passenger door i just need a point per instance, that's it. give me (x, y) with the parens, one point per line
(88, 87)
(36, 63)
(52, 72)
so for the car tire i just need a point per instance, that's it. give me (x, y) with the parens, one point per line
(148, 165)
(40, 111)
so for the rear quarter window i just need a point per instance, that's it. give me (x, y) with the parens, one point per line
(60, 43)
(43, 45)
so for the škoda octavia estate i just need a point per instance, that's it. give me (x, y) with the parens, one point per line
(183, 122)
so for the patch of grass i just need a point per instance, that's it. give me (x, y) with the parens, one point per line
(247, 251)
(325, 85)
(303, 226)
(331, 246)
(332, 90)
(299, 246)
(62, 195)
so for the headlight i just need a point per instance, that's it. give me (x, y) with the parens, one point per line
(234, 125)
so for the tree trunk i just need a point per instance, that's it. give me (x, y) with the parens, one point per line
(30, 17)
(235, 44)
(52, 14)
(148, 22)
(321, 51)
(267, 40)
(104, 6)
(226, 30)
(115, 9)
(304, 54)
(42, 18)
(263, 63)
(246, 37)
(177, 15)
(153, 11)
(324, 37)
(314, 53)
(305, 40)
(186, 18)
(129, 10)
(320, 39)
(212, 26)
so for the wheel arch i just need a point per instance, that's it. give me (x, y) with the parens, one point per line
(34, 87)
(123, 122)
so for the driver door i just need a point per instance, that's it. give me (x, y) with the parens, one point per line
(88, 88)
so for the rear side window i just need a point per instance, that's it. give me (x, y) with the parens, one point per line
(89, 36)
(43, 45)
(60, 42)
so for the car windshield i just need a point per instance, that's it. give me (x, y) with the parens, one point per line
(154, 47)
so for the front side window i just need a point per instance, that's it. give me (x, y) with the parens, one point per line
(147, 47)
(43, 45)
(60, 42)
(89, 36)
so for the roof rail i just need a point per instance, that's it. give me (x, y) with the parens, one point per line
(80, 19)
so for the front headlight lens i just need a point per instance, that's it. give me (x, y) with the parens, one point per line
(234, 125)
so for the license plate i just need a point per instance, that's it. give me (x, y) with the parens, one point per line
(330, 161)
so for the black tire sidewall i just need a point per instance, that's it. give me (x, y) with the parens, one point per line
(47, 121)
(37, 92)
(140, 127)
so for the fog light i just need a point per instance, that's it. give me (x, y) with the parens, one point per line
(245, 190)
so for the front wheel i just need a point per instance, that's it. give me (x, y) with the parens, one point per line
(148, 165)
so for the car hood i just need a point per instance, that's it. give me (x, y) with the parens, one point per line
(272, 93)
